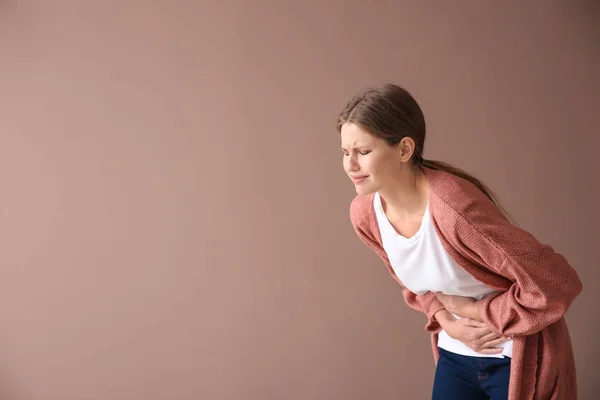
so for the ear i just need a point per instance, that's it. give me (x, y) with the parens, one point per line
(406, 147)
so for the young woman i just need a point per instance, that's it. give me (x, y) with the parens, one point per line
(494, 296)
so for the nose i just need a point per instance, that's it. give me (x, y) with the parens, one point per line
(351, 164)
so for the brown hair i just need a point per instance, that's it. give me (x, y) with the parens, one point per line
(391, 113)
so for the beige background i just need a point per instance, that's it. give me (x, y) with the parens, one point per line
(173, 210)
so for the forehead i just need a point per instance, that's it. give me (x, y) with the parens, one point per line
(353, 135)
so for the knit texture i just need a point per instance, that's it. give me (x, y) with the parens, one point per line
(536, 284)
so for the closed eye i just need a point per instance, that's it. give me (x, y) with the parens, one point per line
(360, 151)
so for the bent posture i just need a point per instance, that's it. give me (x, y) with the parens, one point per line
(494, 296)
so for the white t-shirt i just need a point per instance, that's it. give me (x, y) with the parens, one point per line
(423, 265)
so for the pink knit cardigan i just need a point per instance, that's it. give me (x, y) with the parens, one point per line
(536, 285)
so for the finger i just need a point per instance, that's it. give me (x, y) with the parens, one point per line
(495, 342)
(474, 323)
(475, 334)
(496, 350)
(485, 339)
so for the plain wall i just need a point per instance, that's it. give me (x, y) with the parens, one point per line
(174, 214)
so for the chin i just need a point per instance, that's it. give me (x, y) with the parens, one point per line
(364, 189)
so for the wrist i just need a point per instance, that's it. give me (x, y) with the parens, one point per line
(444, 318)
(473, 312)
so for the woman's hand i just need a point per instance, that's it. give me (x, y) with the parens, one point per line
(474, 334)
(461, 306)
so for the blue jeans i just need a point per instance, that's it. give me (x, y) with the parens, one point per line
(459, 377)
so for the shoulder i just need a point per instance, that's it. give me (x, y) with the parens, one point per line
(362, 216)
(451, 193)
(361, 209)
(469, 219)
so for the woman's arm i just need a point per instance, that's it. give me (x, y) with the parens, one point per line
(544, 284)
(544, 287)
(462, 306)
(426, 303)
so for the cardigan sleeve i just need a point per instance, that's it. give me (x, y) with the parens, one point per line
(426, 303)
(543, 283)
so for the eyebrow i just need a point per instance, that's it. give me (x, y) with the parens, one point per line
(360, 146)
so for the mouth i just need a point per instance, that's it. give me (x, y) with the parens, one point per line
(358, 179)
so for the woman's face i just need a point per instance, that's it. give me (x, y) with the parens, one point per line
(370, 162)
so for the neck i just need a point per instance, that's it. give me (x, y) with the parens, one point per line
(407, 195)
